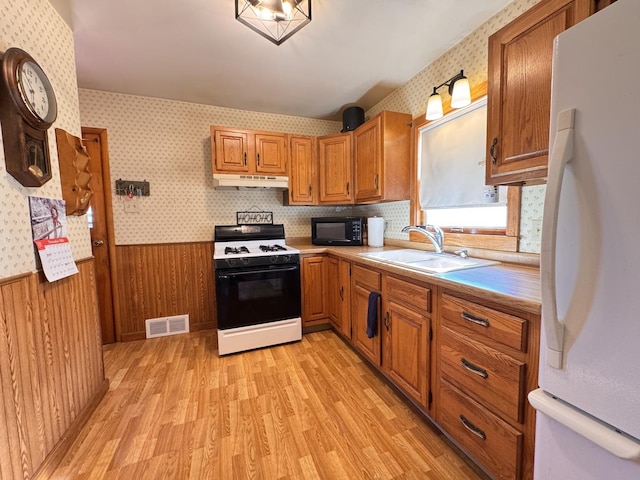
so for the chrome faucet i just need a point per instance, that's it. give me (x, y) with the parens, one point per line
(436, 238)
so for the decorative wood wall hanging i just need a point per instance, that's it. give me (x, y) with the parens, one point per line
(75, 175)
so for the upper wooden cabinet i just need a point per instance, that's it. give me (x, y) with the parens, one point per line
(382, 158)
(248, 151)
(519, 90)
(334, 156)
(303, 175)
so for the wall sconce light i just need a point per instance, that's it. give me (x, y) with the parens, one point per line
(459, 90)
(275, 20)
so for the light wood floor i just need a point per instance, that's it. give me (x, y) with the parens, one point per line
(311, 409)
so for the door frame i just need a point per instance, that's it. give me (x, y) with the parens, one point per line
(111, 237)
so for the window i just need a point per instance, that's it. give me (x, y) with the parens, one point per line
(450, 186)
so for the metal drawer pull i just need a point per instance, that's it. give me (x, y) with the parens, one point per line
(472, 428)
(474, 368)
(477, 320)
(341, 293)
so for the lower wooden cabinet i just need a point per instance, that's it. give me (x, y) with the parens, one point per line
(363, 282)
(406, 336)
(314, 287)
(492, 441)
(488, 361)
(339, 294)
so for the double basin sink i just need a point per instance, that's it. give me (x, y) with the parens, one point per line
(427, 262)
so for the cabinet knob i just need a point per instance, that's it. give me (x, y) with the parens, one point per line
(98, 243)
(341, 293)
(347, 188)
(258, 155)
(492, 151)
(245, 158)
(375, 182)
(386, 320)
(310, 190)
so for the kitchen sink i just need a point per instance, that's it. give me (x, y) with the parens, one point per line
(427, 262)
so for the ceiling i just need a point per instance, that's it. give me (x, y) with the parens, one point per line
(354, 52)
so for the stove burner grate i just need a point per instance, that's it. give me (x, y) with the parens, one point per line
(272, 248)
(235, 250)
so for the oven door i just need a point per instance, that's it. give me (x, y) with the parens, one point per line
(255, 295)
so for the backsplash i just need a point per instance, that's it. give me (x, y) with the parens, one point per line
(21, 25)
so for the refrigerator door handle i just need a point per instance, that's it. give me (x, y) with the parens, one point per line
(561, 154)
(601, 434)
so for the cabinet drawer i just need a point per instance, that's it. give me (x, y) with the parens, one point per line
(409, 294)
(497, 445)
(494, 377)
(484, 322)
(366, 278)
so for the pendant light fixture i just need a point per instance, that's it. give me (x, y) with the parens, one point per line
(275, 20)
(459, 90)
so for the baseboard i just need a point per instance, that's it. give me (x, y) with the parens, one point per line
(56, 455)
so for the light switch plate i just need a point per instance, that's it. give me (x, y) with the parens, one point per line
(132, 205)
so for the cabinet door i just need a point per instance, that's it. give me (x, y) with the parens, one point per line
(407, 350)
(303, 174)
(271, 153)
(334, 292)
(334, 154)
(345, 297)
(519, 90)
(367, 154)
(364, 281)
(314, 281)
(231, 149)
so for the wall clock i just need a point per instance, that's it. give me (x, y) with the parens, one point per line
(27, 109)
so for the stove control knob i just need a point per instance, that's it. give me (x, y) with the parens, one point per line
(245, 260)
(231, 262)
(286, 258)
(273, 258)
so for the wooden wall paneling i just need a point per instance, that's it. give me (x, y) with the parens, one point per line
(51, 369)
(164, 280)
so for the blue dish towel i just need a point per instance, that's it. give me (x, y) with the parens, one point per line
(372, 314)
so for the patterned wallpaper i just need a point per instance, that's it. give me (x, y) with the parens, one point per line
(36, 27)
(167, 143)
(470, 55)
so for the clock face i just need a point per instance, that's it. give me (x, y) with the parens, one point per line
(35, 89)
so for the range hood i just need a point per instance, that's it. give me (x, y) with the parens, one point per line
(226, 181)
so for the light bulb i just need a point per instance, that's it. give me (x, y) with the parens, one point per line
(461, 95)
(434, 107)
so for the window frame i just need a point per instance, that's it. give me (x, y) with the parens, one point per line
(486, 238)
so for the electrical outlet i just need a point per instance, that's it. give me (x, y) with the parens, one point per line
(536, 229)
(132, 205)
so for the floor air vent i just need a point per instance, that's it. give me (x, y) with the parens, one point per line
(163, 326)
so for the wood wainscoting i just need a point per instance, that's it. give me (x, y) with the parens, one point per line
(51, 369)
(162, 280)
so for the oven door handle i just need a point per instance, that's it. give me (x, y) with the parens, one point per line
(237, 273)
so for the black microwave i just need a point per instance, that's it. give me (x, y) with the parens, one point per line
(336, 230)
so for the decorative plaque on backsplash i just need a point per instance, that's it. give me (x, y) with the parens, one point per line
(254, 218)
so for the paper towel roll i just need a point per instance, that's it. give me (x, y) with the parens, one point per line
(375, 229)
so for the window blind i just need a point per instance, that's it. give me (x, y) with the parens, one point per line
(452, 160)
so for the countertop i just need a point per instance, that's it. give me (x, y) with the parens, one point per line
(512, 285)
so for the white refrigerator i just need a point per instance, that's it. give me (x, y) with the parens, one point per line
(588, 420)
